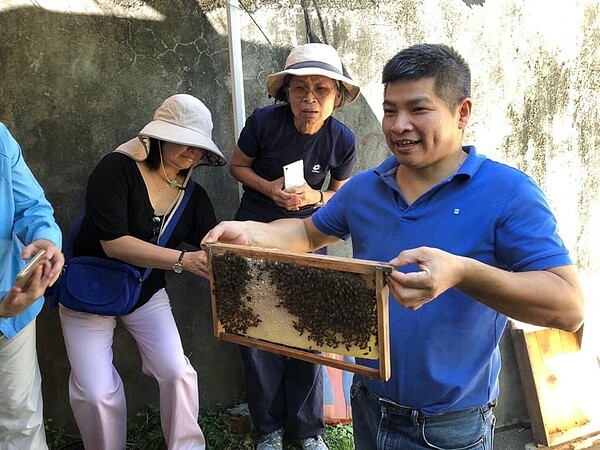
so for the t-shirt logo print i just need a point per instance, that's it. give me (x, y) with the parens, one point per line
(316, 168)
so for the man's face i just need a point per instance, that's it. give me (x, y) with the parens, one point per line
(419, 127)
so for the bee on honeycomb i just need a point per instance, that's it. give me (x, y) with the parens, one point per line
(329, 308)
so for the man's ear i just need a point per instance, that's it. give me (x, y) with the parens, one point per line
(464, 112)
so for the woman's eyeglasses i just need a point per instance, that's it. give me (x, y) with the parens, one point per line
(156, 222)
(300, 92)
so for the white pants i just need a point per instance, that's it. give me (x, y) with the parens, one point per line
(95, 388)
(21, 409)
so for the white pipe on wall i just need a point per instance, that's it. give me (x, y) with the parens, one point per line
(235, 64)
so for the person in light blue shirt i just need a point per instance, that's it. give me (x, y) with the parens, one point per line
(27, 226)
(474, 242)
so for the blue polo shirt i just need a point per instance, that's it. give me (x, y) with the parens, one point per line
(445, 356)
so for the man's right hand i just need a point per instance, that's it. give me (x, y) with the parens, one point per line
(230, 232)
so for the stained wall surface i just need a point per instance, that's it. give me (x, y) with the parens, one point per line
(80, 77)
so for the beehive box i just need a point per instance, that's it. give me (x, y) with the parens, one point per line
(560, 384)
(301, 304)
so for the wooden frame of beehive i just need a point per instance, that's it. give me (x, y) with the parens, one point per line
(261, 298)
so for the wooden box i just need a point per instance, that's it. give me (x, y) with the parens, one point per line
(301, 305)
(561, 383)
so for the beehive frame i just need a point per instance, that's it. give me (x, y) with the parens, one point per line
(374, 271)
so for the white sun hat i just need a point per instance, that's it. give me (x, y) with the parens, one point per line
(180, 119)
(312, 59)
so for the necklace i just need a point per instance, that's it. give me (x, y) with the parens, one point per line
(159, 189)
(172, 183)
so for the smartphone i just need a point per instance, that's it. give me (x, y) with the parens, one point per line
(25, 274)
(293, 174)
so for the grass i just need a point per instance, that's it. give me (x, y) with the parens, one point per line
(145, 433)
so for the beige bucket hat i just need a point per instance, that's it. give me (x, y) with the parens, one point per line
(181, 119)
(313, 59)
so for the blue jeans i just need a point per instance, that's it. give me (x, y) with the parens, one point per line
(383, 425)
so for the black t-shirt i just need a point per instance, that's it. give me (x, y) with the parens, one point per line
(117, 204)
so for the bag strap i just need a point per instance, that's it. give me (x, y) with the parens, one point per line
(164, 237)
(68, 244)
(166, 234)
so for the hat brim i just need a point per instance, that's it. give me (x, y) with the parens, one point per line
(275, 81)
(170, 132)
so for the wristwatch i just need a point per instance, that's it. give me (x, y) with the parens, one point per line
(320, 202)
(178, 266)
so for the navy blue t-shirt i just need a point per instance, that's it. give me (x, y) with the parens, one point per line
(270, 137)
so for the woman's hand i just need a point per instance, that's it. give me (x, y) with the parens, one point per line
(305, 195)
(295, 198)
(290, 199)
(196, 263)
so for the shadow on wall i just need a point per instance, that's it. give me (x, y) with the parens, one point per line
(74, 87)
(77, 85)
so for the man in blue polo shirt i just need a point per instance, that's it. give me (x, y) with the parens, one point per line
(474, 242)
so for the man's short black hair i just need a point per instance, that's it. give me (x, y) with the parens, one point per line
(441, 62)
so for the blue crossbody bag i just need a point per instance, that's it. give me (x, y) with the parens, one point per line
(102, 286)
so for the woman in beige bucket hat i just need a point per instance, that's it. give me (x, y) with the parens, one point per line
(130, 197)
(286, 395)
(313, 60)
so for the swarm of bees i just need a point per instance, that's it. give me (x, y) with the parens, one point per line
(235, 313)
(329, 307)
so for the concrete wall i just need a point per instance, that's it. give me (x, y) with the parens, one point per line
(81, 77)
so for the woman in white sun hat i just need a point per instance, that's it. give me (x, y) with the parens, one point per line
(286, 395)
(130, 196)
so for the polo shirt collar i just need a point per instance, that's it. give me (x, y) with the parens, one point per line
(389, 165)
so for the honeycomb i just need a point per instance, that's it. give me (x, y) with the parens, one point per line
(315, 309)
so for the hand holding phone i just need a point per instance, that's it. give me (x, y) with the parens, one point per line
(293, 175)
(25, 274)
